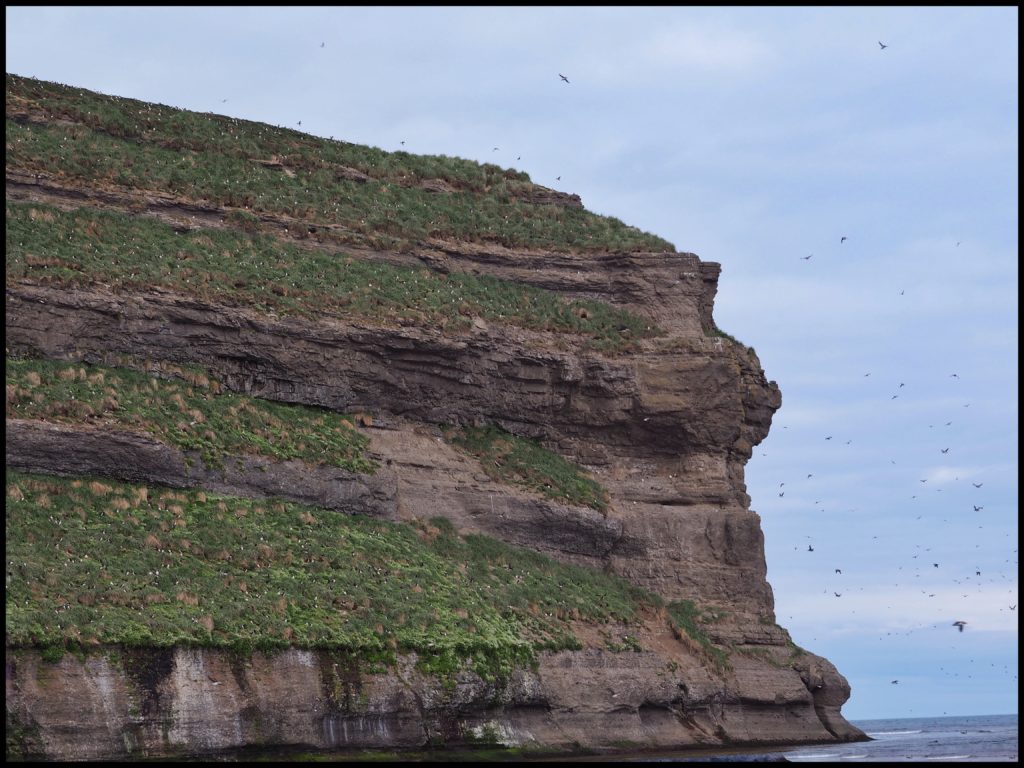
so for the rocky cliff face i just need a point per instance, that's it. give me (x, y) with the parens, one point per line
(667, 428)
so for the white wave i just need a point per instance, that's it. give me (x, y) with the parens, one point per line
(946, 757)
(891, 733)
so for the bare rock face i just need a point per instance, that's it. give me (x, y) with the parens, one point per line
(120, 703)
(667, 429)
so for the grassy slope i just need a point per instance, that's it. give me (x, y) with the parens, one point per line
(193, 414)
(189, 416)
(138, 145)
(98, 561)
(86, 245)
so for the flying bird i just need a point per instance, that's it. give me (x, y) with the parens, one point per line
(810, 548)
(977, 485)
(894, 682)
(842, 239)
(321, 45)
(884, 46)
(563, 77)
(495, 149)
(945, 450)
(838, 571)
(300, 122)
(558, 178)
(402, 143)
(805, 258)
(959, 625)
(781, 494)
(837, 594)
(977, 508)
(829, 437)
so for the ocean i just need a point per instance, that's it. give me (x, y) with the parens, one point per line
(980, 738)
(956, 739)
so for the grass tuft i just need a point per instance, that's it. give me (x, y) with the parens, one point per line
(507, 458)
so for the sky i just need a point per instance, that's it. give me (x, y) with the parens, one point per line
(757, 138)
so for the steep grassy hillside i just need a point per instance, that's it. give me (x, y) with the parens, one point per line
(394, 199)
(94, 561)
(121, 251)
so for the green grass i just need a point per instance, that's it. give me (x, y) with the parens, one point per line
(510, 459)
(686, 617)
(138, 145)
(189, 415)
(102, 562)
(83, 246)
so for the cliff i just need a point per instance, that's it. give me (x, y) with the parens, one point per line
(662, 413)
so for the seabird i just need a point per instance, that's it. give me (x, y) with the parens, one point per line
(884, 46)
(945, 450)
(977, 508)
(842, 239)
(781, 494)
(563, 77)
(894, 682)
(494, 150)
(977, 485)
(321, 45)
(838, 571)
(805, 258)
(810, 548)
(837, 594)
(829, 437)
(959, 625)
(558, 178)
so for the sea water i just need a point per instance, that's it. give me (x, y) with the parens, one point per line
(951, 739)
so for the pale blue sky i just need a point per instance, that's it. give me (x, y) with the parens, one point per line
(752, 137)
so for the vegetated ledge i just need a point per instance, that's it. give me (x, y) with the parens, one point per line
(39, 446)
